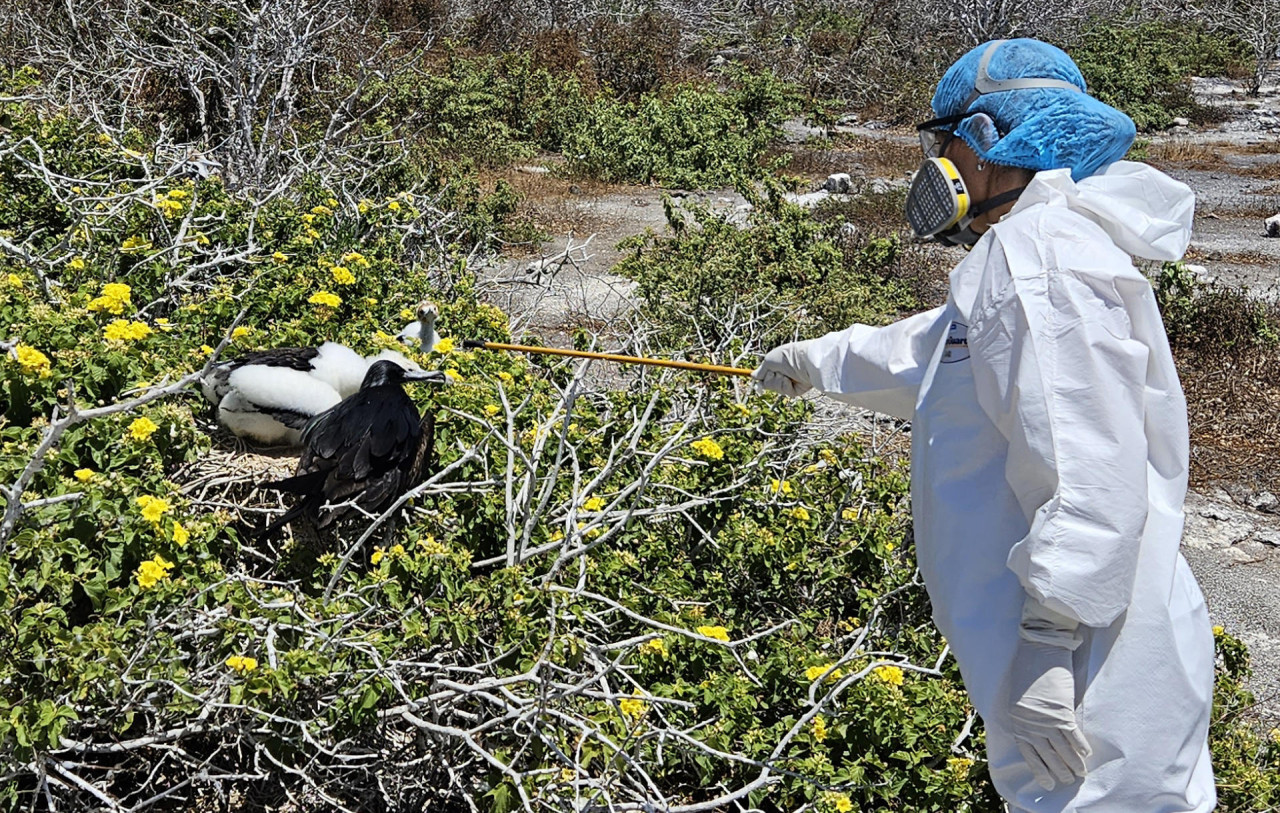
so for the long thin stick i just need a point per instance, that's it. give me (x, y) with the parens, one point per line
(682, 365)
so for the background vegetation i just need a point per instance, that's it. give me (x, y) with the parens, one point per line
(623, 591)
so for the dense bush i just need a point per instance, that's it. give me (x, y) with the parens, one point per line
(1145, 69)
(793, 272)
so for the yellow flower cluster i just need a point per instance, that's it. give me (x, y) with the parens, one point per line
(342, 275)
(492, 409)
(142, 428)
(819, 728)
(781, 487)
(153, 507)
(169, 207)
(593, 504)
(242, 664)
(1218, 630)
(76, 264)
(180, 534)
(799, 513)
(321, 210)
(85, 475)
(355, 258)
(815, 672)
(135, 243)
(505, 377)
(656, 647)
(848, 515)
(888, 674)
(121, 330)
(959, 766)
(378, 553)
(633, 707)
(115, 297)
(719, 633)
(240, 332)
(14, 281)
(432, 548)
(153, 571)
(325, 299)
(32, 361)
(279, 258)
(452, 374)
(708, 448)
(444, 346)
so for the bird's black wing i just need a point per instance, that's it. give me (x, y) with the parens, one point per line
(292, 358)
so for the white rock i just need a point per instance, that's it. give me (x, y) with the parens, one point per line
(533, 170)
(1181, 122)
(839, 183)
(808, 200)
(1273, 225)
(1265, 502)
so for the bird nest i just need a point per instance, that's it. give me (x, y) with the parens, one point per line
(230, 480)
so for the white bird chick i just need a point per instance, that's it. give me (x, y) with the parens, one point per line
(422, 329)
(269, 395)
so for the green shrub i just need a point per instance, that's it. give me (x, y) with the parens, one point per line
(690, 135)
(1144, 69)
(785, 264)
(1246, 758)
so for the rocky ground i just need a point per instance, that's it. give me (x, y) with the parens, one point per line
(1232, 540)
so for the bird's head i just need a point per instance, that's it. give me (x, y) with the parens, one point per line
(383, 372)
(427, 312)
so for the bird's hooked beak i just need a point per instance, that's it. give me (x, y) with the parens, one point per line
(433, 376)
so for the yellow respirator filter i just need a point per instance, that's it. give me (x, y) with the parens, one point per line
(937, 199)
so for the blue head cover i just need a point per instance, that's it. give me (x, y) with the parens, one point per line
(1035, 126)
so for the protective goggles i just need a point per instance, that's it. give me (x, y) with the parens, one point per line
(936, 133)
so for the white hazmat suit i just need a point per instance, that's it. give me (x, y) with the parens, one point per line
(1049, 459)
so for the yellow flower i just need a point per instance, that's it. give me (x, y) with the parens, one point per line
(242, 664)
(153, 507)
(781, 487)
(444, 346)
(719, 633)
(708, 448)
(505, 377)
(377, 555)
(163, 324)
(397, 550)
(393, 206)
(279, 258)
(121, 330)
(364, 205)
(888, 674)
(321, 210)
(342, 275)
(180, 535)
(135, 243)
(240, 332)
(453, 375)
(405, 313)
(14, 281)
(153, 571)
(169, 207)
(815, 672)
(431, 547)
(593, 504)
(32, 361)
(743, 410)
(959, 766)
(1218, 630)
(655, 647)
(889, 546)
(492, 409)
(326, 299)
(633, 707)
(85, 475)
(179, 194)
(142, 428)
(840, 803)
(76, 264)
(355, 258)
(206, 349)
(819, 728)
(848, 515)
(799, 512)
(115, 297)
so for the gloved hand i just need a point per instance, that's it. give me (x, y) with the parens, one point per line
(779, 371)
(1043, 698)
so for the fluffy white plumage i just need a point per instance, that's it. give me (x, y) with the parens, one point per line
(423, 329)
(269, 396)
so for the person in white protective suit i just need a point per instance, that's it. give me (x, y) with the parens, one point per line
(1049, 440)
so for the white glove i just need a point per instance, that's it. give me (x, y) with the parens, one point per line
(1043, 698)
(780, 371)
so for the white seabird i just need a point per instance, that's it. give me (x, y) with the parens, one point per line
(269, 395)
(423, 329)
